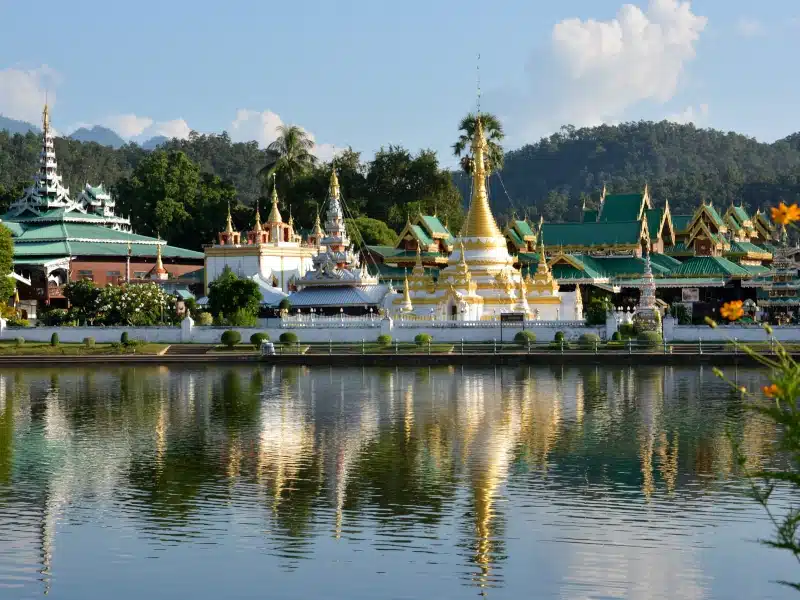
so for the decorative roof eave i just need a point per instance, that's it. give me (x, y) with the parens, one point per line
(92, 241)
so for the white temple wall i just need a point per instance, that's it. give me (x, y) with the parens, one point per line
(284, 268)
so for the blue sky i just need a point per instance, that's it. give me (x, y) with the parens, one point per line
(368, 73)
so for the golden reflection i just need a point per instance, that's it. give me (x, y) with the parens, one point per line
(668, 460)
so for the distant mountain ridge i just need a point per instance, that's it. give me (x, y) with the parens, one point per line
(15, 126)
(101, 135)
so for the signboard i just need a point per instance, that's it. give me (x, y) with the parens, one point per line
(690, 294)
(512, 317)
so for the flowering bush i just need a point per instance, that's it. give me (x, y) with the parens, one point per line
(135, 304)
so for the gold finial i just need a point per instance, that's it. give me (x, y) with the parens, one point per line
(463, 259)
(229, 222)
(419, 256)
(159, 263)
(275, 215)
(257, 226)
(480, 221)
(333, 189)
(407, 296)
(46, 118)
(317, 225)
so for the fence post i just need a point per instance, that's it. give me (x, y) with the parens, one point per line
(561, 344)
(462, 345)
(362, 346)
(596, 344)
(630, 346)
(700, 344)
(736, 345)
(494, 343)
(529, 346)
(396, 347)
(429, 346)
(330, 346)
(665, 345)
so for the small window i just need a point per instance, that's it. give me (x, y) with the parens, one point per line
(86, 275)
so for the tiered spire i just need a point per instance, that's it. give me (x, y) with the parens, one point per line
(257, 226)
(229, 222)
(275, 215)
(480, 221)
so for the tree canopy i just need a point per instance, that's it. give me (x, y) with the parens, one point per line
(492, 131)
(7, 285)
(230, 294)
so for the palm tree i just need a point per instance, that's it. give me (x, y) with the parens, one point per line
(288, 156)
(493, 131)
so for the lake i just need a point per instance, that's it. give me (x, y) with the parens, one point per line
(298, 483)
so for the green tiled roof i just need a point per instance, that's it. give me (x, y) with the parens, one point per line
(589, 234)
(715, 215)
(422, 235)
(435, 225)
(515, 238)
(681, 223)
(523, 227)
(663, 260)
(51, 249)
(15, 228)
(590, 269)
(621, 207)
(526, 258)
(756, 269)
(590, 216)
(746, 247)
(654, 216)
(678, 249)
(397, 273)
(628, 266)
(710, 266)
(385, 251)
(741, 214)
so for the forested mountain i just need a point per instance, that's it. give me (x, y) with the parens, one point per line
(552, 177)
(15, 126)
(102, 135)
(680, 163)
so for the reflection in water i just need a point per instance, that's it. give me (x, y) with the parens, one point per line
(582, 482)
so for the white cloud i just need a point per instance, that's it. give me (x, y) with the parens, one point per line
(595, 71)
(748, 27)
(23, 92)
(263, 128)
(253, 125)
(176, 128)
(128, 126)
(690, 114)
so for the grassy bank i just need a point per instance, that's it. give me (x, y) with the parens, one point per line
(10, 348)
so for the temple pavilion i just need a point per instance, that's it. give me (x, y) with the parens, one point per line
(58, 239)
(272, 254)
(339, 281)
(480, 280)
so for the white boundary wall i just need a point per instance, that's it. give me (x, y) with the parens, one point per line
(347, 331)
(742, 332)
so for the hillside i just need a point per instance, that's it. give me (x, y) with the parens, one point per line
(15, 126)
(680, 163)
(551, 177)
(101, 135)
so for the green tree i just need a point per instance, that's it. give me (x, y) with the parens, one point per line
(288, 157)
(83, 298)
(366, 231)
(492, 130)
(230, 294)
(7, 285)
(169, 196)
(556, 206)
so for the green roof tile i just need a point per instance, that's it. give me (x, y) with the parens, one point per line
(741, 248)
(621, 207)
(654, 216)
(515, 238)
(590, 216)
(710, 266)
(422, 235)
(524, 228)
(681, 223)
(435, 225)
(665, 261)
(590, 234)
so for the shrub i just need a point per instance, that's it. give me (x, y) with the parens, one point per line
(627, 330)
(597, 310)
(55, 316)
(423, 339)
(289, 337)
(54, 339)
(285, 304)
(17, 322)
(385, 340)
(124, 339)
(242, 318)
(616, 337)
(559, 337)
(258, 338)
(589, 340)
(650, 339)
(205, 319)
(88, 342)
(230, 338)
(18, 342)
(525, 337)
(681, 313)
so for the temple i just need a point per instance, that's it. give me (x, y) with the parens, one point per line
(57, 239)
(480, 280)
(272, 253)
(339, 281)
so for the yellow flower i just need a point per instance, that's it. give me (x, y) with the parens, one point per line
(732, 310)
(783, 215)
(771, 390)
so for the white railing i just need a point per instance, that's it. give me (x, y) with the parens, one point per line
(323, 322)
(484, 324)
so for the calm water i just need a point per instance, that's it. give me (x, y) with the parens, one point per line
(379, 483)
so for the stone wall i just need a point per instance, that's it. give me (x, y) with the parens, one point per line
(741, 332)
(188, 332)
